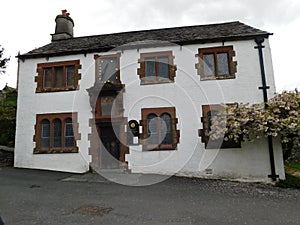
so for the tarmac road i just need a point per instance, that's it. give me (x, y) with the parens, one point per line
(29, 197)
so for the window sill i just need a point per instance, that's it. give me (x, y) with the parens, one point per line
(161, 81)
(46, 90)
(223, 77)
(159, 148)
(55, 150)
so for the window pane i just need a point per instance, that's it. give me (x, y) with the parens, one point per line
(163, 67)
(108, 68)
(150, 69)
(223, 65)
(70, 70)
(59, 77)
(47, 78)
(209, 64)
(152, 129)
(210, 114)
(107, 105)
(69, 133)
(166, 128)
(45, 134)
(57, 132)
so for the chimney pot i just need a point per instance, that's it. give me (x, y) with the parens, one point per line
(64, 26)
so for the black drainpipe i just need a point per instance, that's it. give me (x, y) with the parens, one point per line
(264, 88)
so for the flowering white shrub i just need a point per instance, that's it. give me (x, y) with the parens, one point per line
(280, 116)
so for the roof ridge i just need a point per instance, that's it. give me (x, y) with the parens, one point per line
(182, 35)
(157, 29)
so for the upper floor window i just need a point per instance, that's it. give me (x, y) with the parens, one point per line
(208, 111)
(109, 105)
(58, 76)
(216, 63)
(159, 128)
(157, 67)
(108, 68)
(56, 133)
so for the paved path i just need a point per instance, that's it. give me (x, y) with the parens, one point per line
(29, 197)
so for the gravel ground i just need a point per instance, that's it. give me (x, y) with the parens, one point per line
(29, 197)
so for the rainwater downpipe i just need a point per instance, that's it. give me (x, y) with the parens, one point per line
(264, 88)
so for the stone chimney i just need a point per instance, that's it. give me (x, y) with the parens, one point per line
(64, 26)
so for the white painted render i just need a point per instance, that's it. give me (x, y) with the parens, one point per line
(187, 94)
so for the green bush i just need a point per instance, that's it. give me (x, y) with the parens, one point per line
(7, 132)
(290, 182)
(293, 165)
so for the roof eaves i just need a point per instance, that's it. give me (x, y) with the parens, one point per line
(144, 45)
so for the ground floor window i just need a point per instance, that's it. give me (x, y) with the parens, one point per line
(208, 111)
(56, 133)
(159, 128)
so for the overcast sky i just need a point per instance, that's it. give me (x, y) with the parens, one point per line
(28, 24)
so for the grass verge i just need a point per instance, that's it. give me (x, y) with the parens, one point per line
(293, 165)
(290, 182)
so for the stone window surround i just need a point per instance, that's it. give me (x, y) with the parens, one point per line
(97, 56)
(158, 112)
(203, 132)
(39, 79)
(51, 117)
(215, 50)
(142, 70)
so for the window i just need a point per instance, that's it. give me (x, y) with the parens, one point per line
(208, 111)
(159, 129)
(56, 133)
(108, 105)
(216, 63)
(58, 76)
(157, 67)
(108, 68)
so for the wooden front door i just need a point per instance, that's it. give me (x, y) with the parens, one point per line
(109, 147)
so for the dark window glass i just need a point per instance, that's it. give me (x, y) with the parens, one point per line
(152, 127)
(69, 133)
(47, 78)
(223, 65)
(209, 64)
(163, 67)
(70, 79)
(57, 132)
(166, 128)
(59, 77)
(45, 134)
(150, 68)
(210, 114)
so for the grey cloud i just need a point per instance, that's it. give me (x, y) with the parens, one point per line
(167, 12)
(147, 14)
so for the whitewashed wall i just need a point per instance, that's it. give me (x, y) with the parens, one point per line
(187, 94)
(31, 103)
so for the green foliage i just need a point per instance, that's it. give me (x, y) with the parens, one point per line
(7, 132)
(8, 105)
(280, 116)
(290, 182)
(293, 165)
(3, 61)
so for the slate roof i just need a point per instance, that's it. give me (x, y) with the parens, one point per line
(134, 39)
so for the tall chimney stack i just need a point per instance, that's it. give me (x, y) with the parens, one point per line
(64, 26)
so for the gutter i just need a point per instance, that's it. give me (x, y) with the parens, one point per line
(264, 88)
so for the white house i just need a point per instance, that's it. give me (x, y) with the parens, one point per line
(143, 100)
